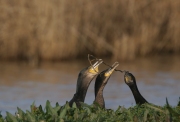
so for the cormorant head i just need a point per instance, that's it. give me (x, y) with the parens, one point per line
(109, 71)
(86, 76)
(91, 71)
(129, 78)
(94, 68)
(105, 75)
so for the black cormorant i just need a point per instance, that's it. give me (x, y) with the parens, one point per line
(131, 82)
(85, 77)
(100, 83)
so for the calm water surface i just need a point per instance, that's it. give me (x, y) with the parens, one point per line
(21, 85)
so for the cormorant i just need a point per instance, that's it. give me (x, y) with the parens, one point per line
(85, 77)
(131, 82)
(100, 83)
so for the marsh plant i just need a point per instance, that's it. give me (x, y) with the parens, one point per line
(93, 113)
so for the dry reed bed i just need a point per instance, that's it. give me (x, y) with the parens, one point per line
(65, 29)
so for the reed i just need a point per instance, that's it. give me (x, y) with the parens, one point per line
(61, 29)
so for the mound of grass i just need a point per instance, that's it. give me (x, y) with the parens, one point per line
(93, 113)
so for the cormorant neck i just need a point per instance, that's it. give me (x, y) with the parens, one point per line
(137, 95)
(99, 87)
(99, 90)
(81, 89)
(100, 99)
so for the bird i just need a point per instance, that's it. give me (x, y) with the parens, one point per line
(85, 77)
(100, 83)
(131, 82)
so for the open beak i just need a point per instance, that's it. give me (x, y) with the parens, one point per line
(110, 70)
(94, 67)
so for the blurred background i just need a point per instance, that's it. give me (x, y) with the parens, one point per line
(44, 44)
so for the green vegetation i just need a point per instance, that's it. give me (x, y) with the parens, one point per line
(65, 29)
(93, 113)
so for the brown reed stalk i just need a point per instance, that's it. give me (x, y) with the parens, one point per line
(61, 29)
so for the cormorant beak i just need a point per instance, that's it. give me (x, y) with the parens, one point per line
(110, 70)
(97, 63)
(94, 68)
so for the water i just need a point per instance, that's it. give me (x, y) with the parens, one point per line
(21, 85)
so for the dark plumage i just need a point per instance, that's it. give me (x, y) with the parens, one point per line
(85, 77)
(131, 82)
(101, 82)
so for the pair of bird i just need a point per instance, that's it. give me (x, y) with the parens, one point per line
(85, 77)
